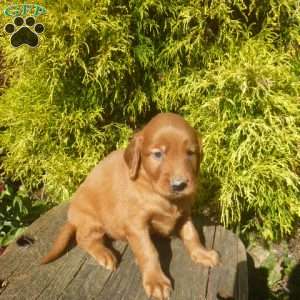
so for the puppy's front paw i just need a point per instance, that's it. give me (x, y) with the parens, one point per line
(208, 258)
(157, 286)
(106, 259)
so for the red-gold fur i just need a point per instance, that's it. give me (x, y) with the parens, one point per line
(149, 186)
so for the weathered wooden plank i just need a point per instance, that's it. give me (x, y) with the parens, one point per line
(55, 279)
(222, 278)
(27, 274)
(91, 279)
(229, 280)
(76, 275)
(242, 273)
(125, 283)
(43, 226)
(189, 280)
(18, 264)
(68, 268)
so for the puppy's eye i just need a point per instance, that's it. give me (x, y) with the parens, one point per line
(157, 154)
(190, 153)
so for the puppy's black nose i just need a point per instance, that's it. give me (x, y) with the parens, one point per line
(178, 184)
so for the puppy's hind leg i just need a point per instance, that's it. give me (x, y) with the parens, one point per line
(90, 238)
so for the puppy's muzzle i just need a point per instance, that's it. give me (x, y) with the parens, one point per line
(178, 184)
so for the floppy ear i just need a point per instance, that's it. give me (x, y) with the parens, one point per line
(132, 155)
(200, 143)
(200, 153)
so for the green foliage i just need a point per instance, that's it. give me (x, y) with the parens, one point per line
(279, 266)
(104, 67)
(16, 211)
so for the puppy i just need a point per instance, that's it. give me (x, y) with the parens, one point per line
(148, 187)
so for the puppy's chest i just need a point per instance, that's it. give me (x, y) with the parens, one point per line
(165, 221)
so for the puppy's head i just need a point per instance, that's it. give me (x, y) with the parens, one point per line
(167, 152)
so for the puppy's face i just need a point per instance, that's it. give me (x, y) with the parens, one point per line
(170, 158)
(168, 151)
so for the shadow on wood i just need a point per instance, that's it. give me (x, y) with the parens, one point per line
(76, 275)
(293, 283)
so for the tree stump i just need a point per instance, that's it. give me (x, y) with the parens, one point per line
(76, 275)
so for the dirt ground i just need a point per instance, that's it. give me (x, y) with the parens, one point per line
(274, 271)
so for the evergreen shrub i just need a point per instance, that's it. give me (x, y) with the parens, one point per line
(103, 68)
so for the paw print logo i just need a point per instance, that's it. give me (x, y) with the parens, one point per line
(24, 32)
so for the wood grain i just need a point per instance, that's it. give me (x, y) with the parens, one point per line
(76, 275)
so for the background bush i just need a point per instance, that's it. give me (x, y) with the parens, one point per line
(17, 210)
(105, 67)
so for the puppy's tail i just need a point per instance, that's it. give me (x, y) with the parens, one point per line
(66, 233)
